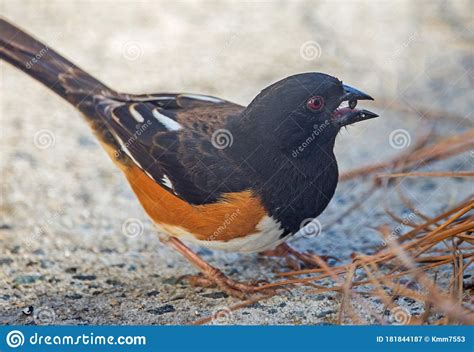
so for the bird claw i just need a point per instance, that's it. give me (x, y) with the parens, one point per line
(231, 287)
(295, 258)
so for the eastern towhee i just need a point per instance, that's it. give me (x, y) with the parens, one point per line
(206, 170)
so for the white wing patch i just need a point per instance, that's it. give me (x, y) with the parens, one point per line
(167, 182)
(163, 98)
(135, 114)
(202, 97)
(170, 124)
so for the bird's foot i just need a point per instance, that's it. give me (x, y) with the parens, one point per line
(212, 277)
(296, 259)
(233, 288)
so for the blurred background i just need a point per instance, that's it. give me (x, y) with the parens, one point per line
(63, 203)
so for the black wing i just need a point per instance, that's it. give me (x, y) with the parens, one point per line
(179, 140)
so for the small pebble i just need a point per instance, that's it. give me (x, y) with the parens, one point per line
(74, 296)
(113, 282)
(85, 277)
(27, 279)
(6, 261)
(257, 305)
(168, 308)
(216, 295)
(71, 270)
(325, 313)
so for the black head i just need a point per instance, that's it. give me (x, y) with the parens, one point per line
(304, 111)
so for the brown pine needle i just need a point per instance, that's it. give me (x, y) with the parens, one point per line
(429, 174)
(436, 219)
(442, 149)
(346, 294)
(441, 301)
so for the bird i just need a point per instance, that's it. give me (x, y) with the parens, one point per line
(208, 171)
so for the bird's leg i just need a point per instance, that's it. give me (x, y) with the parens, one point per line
(309, 259)
(211, 275)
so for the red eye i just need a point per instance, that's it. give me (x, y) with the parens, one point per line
(315, 103)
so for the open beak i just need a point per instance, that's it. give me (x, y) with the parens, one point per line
(346, 114)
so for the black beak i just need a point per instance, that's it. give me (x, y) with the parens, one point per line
(351, 93)
(349, 115)
(354, 116)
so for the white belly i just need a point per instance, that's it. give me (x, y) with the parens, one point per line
(267, 236)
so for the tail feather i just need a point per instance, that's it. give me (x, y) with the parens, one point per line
(79, 88)
(47, 66)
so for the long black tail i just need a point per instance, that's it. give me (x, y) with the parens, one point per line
(47, 66)
(66, 79)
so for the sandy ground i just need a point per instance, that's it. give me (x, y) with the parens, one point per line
(63, 248)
